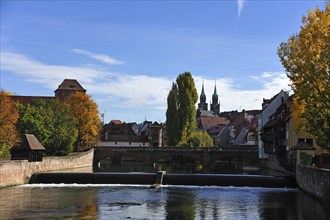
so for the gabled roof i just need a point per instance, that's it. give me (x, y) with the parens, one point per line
(208, 122)
(216, 130)
(29, 142)
(205, 113)
(271, 123)
(120, 129)
(116, 122)
(303, 146)
(70, 84)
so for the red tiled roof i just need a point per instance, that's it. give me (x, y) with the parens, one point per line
(116, 122)
(208, 122)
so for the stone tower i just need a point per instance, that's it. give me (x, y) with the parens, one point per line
(67, 88)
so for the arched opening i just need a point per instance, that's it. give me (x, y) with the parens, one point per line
(231, 165)
(178, 164)
(122, 163)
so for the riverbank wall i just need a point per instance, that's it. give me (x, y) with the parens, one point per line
(315, 182)
(17, 172)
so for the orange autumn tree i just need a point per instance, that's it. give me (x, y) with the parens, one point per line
(8, 119)
(85, 111)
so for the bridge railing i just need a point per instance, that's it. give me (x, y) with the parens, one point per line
(235, 148)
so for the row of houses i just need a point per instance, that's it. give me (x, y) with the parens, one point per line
(119, 134)
(279, 143)
(226, 128)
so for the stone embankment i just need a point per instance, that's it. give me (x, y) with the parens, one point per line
(17, 172)
(315, 182)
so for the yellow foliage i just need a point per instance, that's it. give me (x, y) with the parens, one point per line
(86, 113)
(306, 58)
(297, 112)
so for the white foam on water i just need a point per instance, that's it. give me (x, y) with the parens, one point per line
(75, 185)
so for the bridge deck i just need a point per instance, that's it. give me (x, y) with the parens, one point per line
(234, 148)
(205, 155)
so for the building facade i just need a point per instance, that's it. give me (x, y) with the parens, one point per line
(282, 143)
(269, 107)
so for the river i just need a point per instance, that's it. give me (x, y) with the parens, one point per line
(72, 201)
(83, 201)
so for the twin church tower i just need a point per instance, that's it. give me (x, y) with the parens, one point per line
(215, 105)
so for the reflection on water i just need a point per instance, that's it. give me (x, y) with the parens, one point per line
(140, 202)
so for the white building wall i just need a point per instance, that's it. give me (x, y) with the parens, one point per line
(263, 118)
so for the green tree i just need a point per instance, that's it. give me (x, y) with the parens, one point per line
(8, 119)
(88, 123)
(200, 139)
(51, 123)
(172, 128)
(306, 58)
(181, 112)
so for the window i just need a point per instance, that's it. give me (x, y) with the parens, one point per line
(309, 141)
(301, 140)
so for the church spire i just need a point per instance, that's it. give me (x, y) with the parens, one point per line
(202, 97)
(215, 105)
(202, 105)
(215, 95)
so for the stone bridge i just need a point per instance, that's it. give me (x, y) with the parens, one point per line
(193, 155)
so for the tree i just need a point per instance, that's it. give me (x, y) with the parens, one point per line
(172, 128)
(306, 58)
(200, 139)
(8, 118)
(86, 114)
(181, 112)
(50, 121)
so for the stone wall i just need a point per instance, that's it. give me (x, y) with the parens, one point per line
(272, 163)
(316, 182)
(16, 172)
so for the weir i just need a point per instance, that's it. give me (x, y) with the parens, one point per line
(168, 179)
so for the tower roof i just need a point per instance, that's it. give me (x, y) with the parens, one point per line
(215, 90)
(202, 96)
(215, 95)
(70, 84)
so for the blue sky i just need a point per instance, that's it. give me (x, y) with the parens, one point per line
(128, 53)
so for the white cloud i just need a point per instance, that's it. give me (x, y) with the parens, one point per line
(233, 98)
(131, 90)
(240, 4)
(100, 57)
(47, 75)
(140, 95)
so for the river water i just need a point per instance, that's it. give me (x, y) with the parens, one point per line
(72, 201)
(78, 201)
